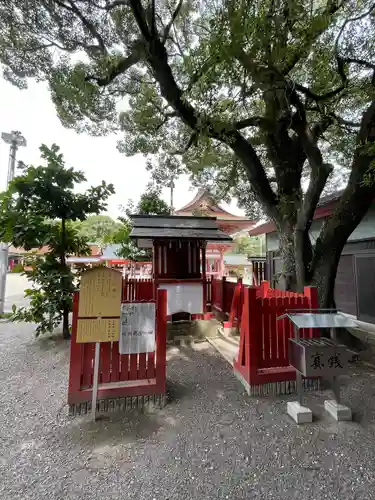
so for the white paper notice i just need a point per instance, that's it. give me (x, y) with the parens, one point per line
(184, 297)
(137, 333)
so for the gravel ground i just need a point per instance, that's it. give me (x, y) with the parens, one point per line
(210, 442)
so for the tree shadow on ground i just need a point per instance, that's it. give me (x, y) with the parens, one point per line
(51, 341)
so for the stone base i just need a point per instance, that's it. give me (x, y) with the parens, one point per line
(337, 411)
(300, 414)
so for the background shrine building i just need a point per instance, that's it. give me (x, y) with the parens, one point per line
(203, 204)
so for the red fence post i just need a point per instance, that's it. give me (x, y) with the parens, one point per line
(75, 367)
(255, 331)
(161, 340)
(264, 287)
(204, 279)
(223, 284)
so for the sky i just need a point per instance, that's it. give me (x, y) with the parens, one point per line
(32, 112)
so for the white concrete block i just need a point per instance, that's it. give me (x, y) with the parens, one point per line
(337, 411)
(300, 414)
(227, 332)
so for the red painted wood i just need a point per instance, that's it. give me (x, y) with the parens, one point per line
(105, 363)
(150, 365)
(204, 279)
(124, 367)
(115, 362)
(76, 352)
(142, 366)
(133, 366)
(88, 364)
(274, 361)
(281, 347)
(254, 325)
(266, 313)
(263, 349)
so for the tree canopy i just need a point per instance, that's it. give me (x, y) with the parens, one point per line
(37, 210)
(256, 99)
(97, 228)
(252, 246)
(149, 203)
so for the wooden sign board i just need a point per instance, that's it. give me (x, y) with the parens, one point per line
(137, 328)
(100, 293)
(98, 330)
(99, 306)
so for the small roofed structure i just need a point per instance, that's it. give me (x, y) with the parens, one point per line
(204, 204)
(179, 249)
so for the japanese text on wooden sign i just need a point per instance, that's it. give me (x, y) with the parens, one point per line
(99, 306)
(100, 293)
(137, 331)
(98, 330)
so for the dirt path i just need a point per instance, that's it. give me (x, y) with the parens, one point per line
(211, 441)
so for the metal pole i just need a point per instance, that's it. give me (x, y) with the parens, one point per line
(15, 139)
(298, 374)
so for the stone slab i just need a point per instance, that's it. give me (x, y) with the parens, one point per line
(339, 412)
(300, 414)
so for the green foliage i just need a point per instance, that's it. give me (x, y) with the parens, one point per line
(97, 229)
(17, 268)
(253, 99)
(39, 209)
(149, 203)
(252, 246)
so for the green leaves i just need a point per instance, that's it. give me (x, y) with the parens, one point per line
(38, 210)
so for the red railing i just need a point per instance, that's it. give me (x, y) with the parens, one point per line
(263, 352)
(138, 289)
(120, 375)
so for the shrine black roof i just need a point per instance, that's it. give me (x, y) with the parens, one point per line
(176, 227)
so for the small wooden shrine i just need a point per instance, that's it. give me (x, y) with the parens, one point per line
(204, 204)
(179, 256)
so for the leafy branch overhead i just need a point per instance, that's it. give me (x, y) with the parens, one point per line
(255, 99)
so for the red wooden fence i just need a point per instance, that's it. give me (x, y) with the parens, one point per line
(120, 375)
(222, 294)
(263, 351)
(138, 289)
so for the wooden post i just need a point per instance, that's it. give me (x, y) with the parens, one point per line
(75, 353)
(264, 287)
(223, 282)
(255, 330)
(204, 278)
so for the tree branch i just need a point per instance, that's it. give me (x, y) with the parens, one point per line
(167, 29)
(361, 62)
(165, 119)
(158, 59)
(121, 67)
(193, 140)
(310, 37)
(252, 121)
(88, 24)
(318, 98)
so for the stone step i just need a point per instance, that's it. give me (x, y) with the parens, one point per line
(232, 339)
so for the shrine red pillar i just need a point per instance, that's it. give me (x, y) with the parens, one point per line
(222, 266)
(204, 278)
